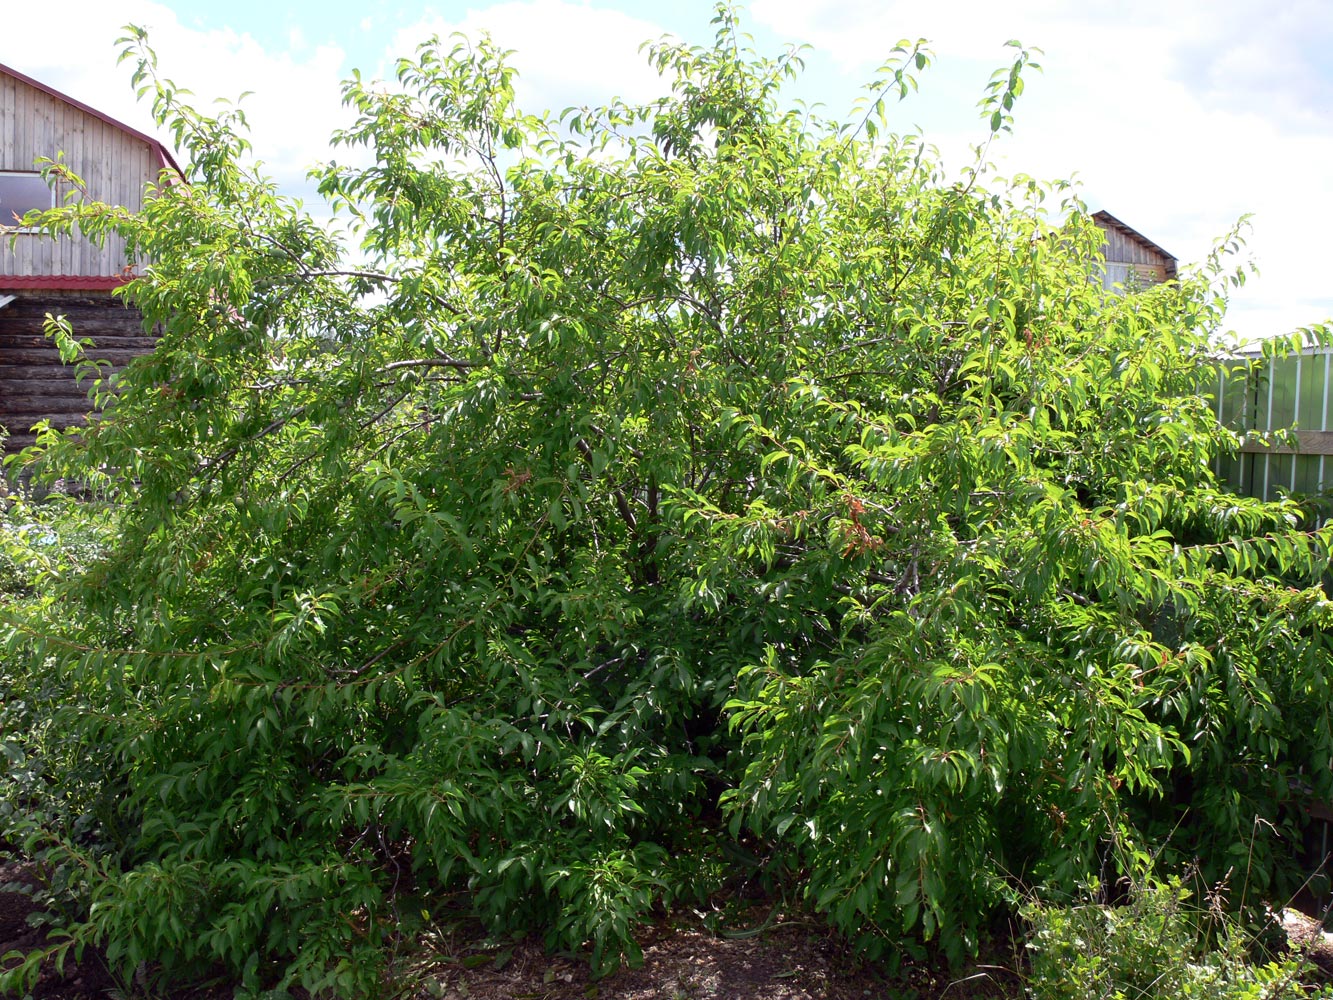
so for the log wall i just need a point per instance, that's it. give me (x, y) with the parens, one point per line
(34, 384)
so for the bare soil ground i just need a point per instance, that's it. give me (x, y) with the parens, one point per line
(789, 960)
(88, 978)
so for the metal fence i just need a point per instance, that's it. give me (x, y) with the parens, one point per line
(1290, 392)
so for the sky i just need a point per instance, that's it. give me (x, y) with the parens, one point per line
(1177, 117)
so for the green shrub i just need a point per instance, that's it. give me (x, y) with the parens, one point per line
(56, 769)
(49, 542)
(662, 476)
(1155, 945)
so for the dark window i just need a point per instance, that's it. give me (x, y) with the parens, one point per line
(20, 193)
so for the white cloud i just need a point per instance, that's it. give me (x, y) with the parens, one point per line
(1275, 65)
(567, 54)
(1177, 118)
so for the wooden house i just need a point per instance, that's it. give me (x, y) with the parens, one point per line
(71, 276)
(1131, 258)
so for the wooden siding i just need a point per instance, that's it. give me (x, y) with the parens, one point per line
(1120, 248)
(34, 384)
(1131, 254)
(115, 165)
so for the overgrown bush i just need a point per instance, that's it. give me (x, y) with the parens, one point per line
(648, 478)
(50, 540)
(51, 775)
(1157, 945)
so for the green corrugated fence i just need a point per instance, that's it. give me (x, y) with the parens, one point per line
(1284, 392)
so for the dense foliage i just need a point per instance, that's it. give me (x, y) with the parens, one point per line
(1154, 946)
(653, 492)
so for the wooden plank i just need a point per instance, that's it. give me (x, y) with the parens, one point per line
(44, 404)
(43, 386)
(1309, 443)
(97, 330)
(29, 356)
(24, 425)
(27, 373)
(21, 313)
(20, 423)
(100, 341)
(24, 311)
(16, 388)
(108, 314)
(14, 394)
(41, 301)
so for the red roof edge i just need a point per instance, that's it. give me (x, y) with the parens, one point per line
(164, 158)
(65, 282)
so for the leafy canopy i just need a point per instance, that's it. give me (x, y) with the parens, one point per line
(642, 489)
